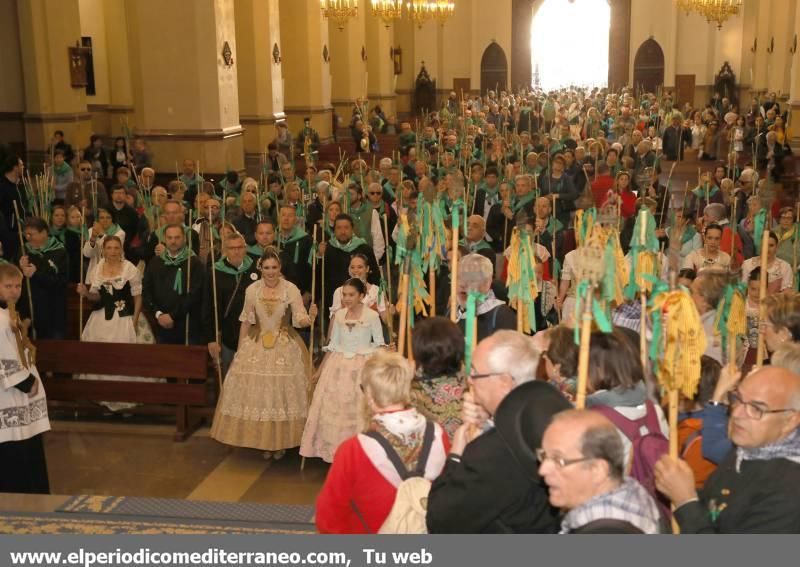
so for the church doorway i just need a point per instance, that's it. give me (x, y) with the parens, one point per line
(648, 67)
(569, 43)
(494, 69)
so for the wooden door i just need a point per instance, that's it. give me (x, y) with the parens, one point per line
(684, 90)
(648, 67)
(494, 69)
(461, 87)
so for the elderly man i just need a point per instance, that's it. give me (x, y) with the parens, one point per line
(755, 488)
(582, 461)
(475, 241)
(475, 273)
(490, 484)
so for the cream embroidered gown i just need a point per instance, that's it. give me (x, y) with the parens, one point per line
(263, 403)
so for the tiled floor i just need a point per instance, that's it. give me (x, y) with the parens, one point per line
(123, 459)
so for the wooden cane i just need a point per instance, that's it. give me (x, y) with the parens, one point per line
(81, 278)
(583, 353)
(432, 290)
(22, 251)
(403, 302)
(762, 295)
(454, 277)
(188, 276)
(213, 297)
(388, 291)
(313, 291)
(553, 243)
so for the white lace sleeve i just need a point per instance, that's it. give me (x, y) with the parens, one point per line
(135, 277)
(376, 328)
(300, 316)
(249, 310)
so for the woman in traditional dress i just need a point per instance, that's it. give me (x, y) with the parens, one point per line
(373, 298)
(337, 408)
(264, 401)
(115, 287)
(438, 388)
(104, 226)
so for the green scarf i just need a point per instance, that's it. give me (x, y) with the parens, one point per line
(112, 230)
(700, 191)
(191, 181)
(349, 246)
(62, 169)
(492, 193)
(226, 268)
(182, 257)
(390, 189)
(296, 234)
(255, 250)
(477, 246)
(58, 233)
(554, 225)
(522, 201)
(52, 244)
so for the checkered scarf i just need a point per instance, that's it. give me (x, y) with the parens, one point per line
(630, 502)
(786, 448)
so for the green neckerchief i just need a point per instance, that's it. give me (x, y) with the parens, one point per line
(228, 188)
(522, 201)
(78, 229)
(700, 191)
(182, 257)
(223, 266)
(52, 244)
(296, 234)
(255, 250)
(58, 233)
(349, 246)
(390, 189)
(62, 169)
(688, 234)
(554, 225)
(476, 246)
(195, 180)
(112, 230)
(492, 193)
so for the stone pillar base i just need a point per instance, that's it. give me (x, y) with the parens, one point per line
(217, 151)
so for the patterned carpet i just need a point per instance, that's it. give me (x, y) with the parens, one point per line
(117, 515)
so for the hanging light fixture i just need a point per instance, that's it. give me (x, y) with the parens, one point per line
(718, 11)
(442, 10)
(419, 11)
(339, 11)
(714, 11)
(387, 10)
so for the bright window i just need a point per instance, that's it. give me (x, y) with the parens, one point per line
(569, 43)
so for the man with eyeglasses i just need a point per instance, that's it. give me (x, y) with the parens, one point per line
(489, 483)
(582, 461)
(755, 489)
(80, 191)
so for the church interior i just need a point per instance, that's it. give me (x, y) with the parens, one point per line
(211, 80)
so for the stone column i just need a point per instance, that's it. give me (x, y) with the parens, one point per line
(185, 91)
(762, 57)
(380, 66)
(258, 39)
(46, 31)
(12, 87)
(348, 65)
(783, 13)
(794, 90)
(120, 87)
(404, 86)
(306, 71)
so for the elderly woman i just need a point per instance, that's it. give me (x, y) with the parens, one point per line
(475, 273)
(438, 347)
(362, 482)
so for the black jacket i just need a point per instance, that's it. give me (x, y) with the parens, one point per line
(761, 498)
(230, 301)
(496, 487)
(158, 293)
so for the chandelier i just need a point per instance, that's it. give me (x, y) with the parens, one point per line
(716, 11)
(339, 10)
(387, 10)
(442, 9)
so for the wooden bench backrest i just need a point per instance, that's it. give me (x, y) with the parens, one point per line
(148, 361)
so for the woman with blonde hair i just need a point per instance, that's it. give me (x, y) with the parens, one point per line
(367, 468)
(782, 324)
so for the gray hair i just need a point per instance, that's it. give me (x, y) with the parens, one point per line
(600, 440)
(715, 211)
(787, 356)
(514, 354)
(475, 263)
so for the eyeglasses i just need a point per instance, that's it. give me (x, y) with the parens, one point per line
(375, 193)
(475, 375)
(753, 410)
(560, 462)
(86, 169)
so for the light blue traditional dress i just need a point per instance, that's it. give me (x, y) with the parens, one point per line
(337, 409)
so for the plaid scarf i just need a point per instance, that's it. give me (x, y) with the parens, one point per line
(786, 448)
(630, 502)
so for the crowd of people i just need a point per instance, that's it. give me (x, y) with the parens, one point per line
(263, 270)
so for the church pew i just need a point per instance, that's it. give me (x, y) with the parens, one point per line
(186, 366)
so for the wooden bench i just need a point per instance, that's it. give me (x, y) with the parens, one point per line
(186, 366)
